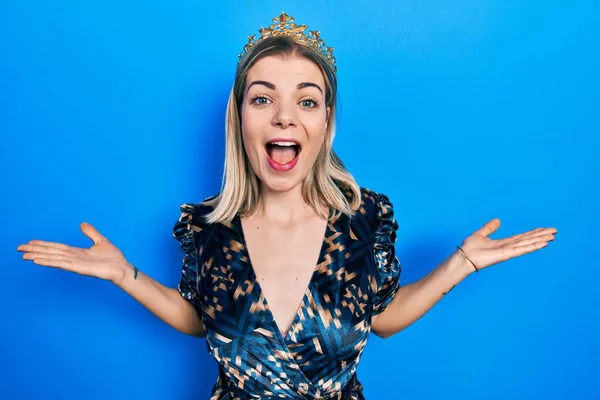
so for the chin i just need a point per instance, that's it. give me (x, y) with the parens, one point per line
(281, 183)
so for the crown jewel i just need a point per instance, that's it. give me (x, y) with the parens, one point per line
(285, 25)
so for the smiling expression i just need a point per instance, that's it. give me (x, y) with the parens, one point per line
(284, 119)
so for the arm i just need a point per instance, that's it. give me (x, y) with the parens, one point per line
(412, 301)
(164, 302)
(103, 260)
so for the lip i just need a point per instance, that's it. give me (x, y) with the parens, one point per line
(287, 166)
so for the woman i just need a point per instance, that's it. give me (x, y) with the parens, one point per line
(291, 266)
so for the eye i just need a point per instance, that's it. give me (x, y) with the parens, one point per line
(259, 100)
(309, 103)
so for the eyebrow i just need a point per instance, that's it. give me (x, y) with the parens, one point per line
(299, 86)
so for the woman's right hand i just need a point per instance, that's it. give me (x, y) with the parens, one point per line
(103, 260)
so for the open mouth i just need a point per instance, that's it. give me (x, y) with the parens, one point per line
(283, 152)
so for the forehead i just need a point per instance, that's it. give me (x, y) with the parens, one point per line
(282, 70)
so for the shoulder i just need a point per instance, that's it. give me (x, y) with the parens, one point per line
(192, 219)
(376, 207)
(373, 218)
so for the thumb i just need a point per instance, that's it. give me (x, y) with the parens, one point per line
(489, 228)
(92, 233)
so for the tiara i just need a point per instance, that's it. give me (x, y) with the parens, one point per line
(285, 25)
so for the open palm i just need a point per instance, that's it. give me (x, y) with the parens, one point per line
(102, 260)
(483, 251)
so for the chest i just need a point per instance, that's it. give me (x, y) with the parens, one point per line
(283, 261)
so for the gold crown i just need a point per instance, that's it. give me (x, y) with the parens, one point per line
(284, 25)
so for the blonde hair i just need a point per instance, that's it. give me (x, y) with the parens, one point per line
(328, 186)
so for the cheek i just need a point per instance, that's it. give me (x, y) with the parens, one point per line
(250, 133)
(250, 143)
(317, 136)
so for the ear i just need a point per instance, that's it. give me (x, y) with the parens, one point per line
(327, 116)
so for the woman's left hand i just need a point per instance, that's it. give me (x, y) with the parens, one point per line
(483, 251)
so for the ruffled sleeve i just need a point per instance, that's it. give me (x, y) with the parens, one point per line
(184, 231)
(387, 266)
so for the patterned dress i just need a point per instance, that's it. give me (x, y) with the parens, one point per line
(355, 278)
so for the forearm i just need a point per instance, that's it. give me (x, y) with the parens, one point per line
(412, 301)
(166, 303)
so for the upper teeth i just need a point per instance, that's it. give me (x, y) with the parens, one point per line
(284, 143)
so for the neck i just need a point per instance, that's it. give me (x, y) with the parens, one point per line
(284, 206)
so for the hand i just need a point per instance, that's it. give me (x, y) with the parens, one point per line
(103, 260)
(483, 251)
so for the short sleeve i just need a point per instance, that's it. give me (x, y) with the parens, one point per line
(387, 266)
(184, 231)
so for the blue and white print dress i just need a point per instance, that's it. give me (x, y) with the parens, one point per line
(356, 277)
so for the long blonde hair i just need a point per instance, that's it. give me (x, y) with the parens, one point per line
(328, 186)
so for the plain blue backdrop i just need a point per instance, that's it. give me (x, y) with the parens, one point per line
(112, 112)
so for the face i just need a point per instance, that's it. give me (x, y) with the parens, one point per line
(284, 120)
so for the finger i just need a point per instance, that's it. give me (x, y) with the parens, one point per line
(515, 238)
(489, 228)
(63, 263)
(539, 238)
(92, 233)
(543, 231)
(33, 256)
(53, 260)
(34, 248)
(535, 234)
(47, 244)
(520, 250)
(56, 261)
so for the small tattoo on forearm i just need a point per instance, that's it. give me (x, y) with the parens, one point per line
(445, 293)
(135, 272)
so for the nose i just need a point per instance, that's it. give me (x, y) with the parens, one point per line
(285, 115)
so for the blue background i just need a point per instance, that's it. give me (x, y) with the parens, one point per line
(461, 111)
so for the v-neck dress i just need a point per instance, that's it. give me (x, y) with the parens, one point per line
(356, 277)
